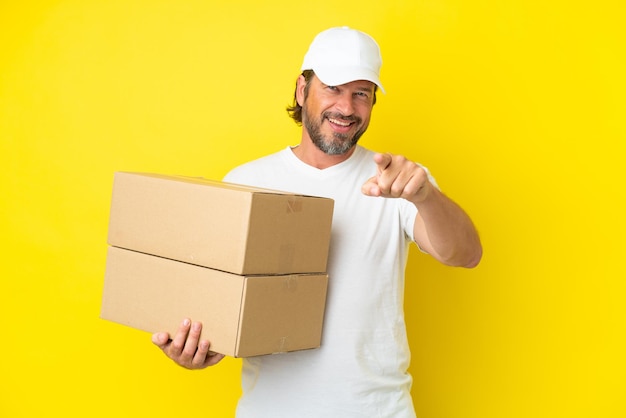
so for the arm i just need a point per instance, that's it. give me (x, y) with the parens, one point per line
(186, 349)
(441, 228)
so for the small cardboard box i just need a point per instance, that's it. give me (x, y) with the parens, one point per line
(242, 316)
(234, 228)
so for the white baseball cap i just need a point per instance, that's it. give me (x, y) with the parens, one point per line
(341, 55)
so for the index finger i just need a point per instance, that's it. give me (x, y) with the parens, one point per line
(382, 161)
(177, 344)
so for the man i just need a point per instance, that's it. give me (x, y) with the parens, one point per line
(382, 203)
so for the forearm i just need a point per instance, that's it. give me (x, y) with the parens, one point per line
(443, 229)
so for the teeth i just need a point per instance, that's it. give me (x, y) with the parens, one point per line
(339, 122)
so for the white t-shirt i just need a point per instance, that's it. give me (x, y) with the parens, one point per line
(361, 368)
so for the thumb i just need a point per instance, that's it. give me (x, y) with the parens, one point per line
(370, 187)
(160, 339)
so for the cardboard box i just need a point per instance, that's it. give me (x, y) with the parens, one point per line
(234, 228)
(242, 316)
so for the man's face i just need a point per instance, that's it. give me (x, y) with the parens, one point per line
(335, 117)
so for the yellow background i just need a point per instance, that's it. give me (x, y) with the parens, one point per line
(517, 107)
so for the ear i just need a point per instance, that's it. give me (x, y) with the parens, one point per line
(300, 85)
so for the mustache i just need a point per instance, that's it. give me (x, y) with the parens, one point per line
(340, 116)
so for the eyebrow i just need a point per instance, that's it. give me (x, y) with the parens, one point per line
(369, 89)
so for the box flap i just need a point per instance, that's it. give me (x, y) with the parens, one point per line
(215, 183)
(301, 225)
(282, 313)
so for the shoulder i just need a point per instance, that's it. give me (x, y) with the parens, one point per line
(363, 154)
(362, 159)
(248, 171)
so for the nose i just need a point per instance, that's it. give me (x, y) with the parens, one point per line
(344, 104)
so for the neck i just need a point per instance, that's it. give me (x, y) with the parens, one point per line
(310, 154)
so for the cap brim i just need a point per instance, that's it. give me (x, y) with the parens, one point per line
(334, 76)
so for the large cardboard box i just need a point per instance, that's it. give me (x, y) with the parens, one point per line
(234, 228)
(242, 316)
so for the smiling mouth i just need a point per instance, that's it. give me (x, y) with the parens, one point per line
(340, 122)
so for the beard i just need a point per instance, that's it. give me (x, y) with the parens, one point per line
(336, 143)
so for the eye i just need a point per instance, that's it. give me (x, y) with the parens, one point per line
(362, 95)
